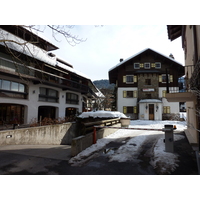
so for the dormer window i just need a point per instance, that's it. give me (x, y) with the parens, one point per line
(157, 65)
(147, 65)
(136, 65)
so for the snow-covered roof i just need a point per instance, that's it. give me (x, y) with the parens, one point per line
(59, 64)
(24, 47)
(150, 101)
(139, 54)
(102, 114)
(99, 93)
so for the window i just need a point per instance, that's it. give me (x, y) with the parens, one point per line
(147, 65)
(11, 86)
(147, 81)
(127, 94)
(136, 65)
(49, 95)
(157, 65)
(164, 78)
(166, 109)
(72, 98)
(12, 89)
(128, 79)
(130, 94)
(129, 109)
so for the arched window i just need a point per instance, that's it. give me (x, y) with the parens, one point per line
(12, 89)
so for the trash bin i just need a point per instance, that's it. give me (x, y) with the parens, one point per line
(125, 122)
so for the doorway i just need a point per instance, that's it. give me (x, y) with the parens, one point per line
(151, 111)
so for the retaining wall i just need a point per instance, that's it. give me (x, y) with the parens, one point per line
(80, 143)
(51, 134)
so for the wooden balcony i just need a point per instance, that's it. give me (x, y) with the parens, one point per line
(180, 97)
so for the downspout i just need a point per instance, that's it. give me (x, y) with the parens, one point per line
(167, 82)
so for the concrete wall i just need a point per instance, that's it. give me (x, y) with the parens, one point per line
(52, 134)
(83, 142)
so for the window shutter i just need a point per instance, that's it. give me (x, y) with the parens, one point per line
(135, 93)
(124, 79)
(124, 94)
(153, 65)
(135, 79)
(160, 78)
(171, 78)
(164, 109)
(164, 93)
(141, 65)
(168, 109)
(135, 109)
(124, 109)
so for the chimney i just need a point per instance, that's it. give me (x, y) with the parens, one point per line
(171, 56)
(121, 59)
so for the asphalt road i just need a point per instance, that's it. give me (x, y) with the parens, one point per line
(53, 160)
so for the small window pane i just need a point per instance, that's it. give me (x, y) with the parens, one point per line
(136, 65)
(157, 65)
(43, 91)
(147, 65)
(5, 85)
(14, 86)
(21, 88)
(129, 79)
(52, 93)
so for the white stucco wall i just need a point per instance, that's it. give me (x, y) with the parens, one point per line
(144, 111)
(125, 101)
(31, 104)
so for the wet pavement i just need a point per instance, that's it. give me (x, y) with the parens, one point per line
(53, 160)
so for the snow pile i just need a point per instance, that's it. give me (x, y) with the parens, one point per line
(102, 114)
(181, 126)
(129, 151)
(163, 162)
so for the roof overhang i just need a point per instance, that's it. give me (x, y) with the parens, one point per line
(174, 31)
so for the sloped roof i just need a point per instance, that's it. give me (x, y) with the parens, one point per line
(174, 31)
(126, 60)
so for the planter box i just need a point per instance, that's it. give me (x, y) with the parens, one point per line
(125, 122)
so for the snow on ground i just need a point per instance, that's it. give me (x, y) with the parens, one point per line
(165, 161)
(102, 114)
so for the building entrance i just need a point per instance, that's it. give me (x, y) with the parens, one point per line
(151, 111)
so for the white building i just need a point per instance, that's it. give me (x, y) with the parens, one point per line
(35, 83)
(142, 81)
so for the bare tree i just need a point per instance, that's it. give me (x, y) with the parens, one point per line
(18, 47)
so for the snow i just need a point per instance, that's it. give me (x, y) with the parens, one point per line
(150, 101)
(102, 114)
(140, 53)
(164, 161)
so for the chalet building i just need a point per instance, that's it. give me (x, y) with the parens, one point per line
(190, 35)
(141, 82)
(35, 83)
